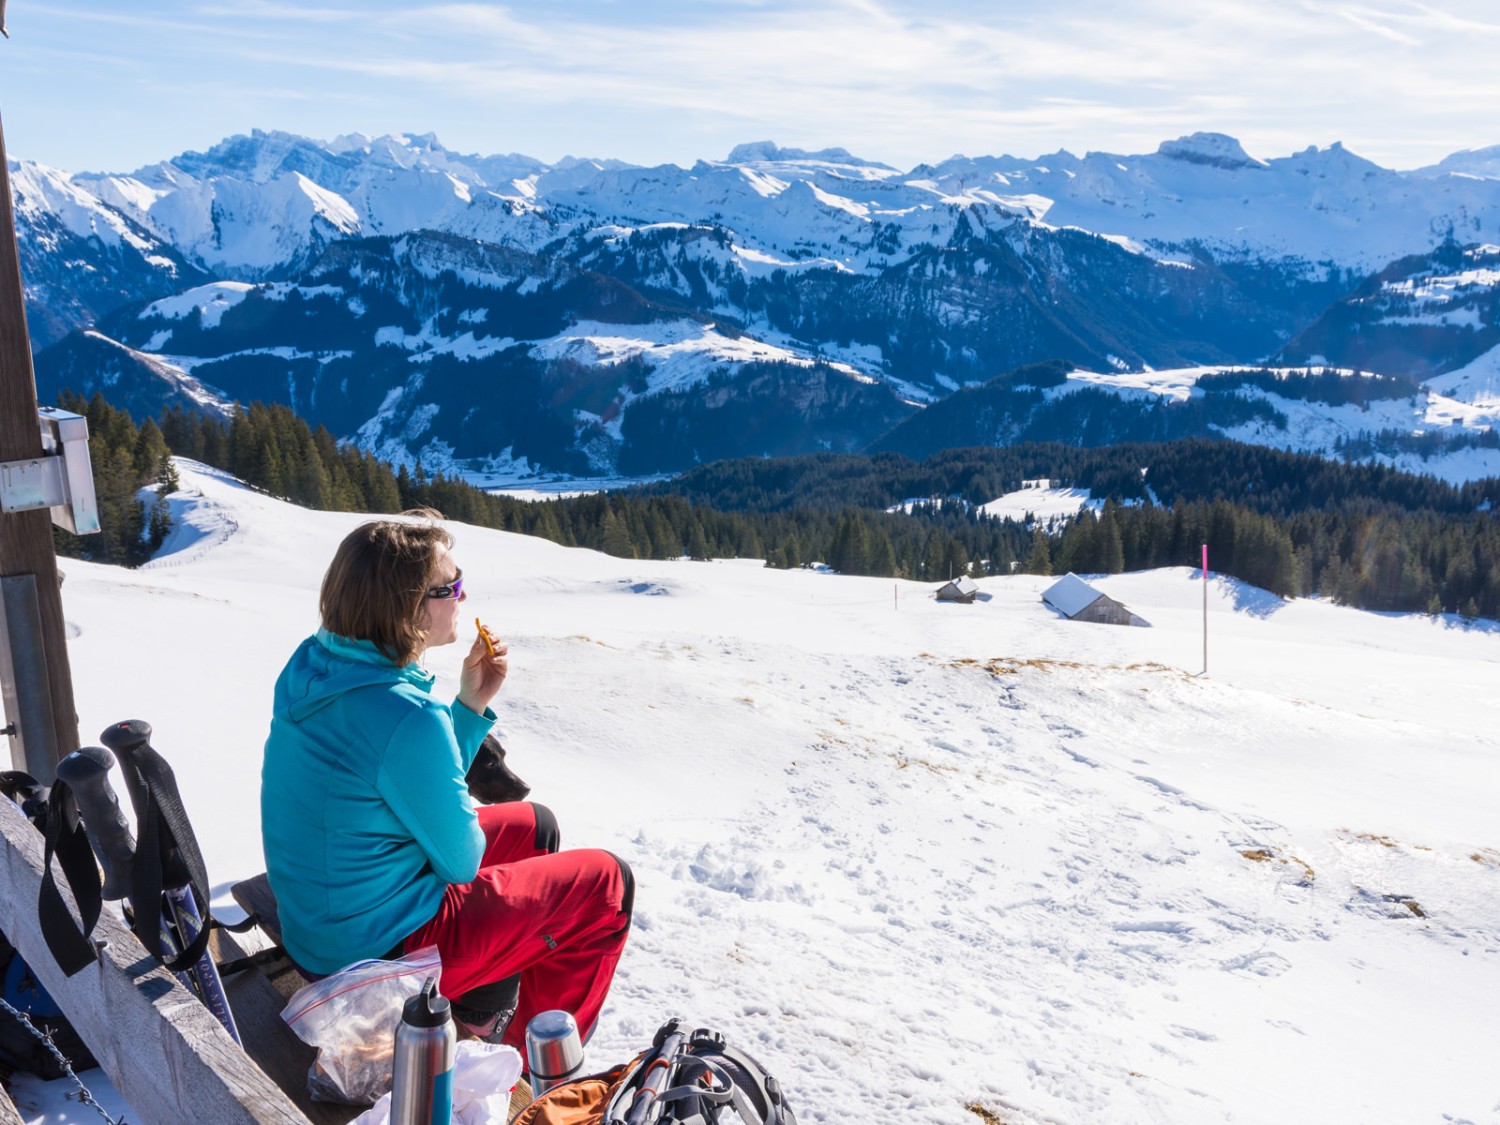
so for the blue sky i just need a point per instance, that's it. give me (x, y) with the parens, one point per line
(114, 84)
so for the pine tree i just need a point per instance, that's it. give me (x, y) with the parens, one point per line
(151, 456)
(614, 537)
(1039, 556)
(1109, 548)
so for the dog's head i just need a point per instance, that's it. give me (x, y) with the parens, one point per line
(491, 781)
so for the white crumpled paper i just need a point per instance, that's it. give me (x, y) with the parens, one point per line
(483, 1076)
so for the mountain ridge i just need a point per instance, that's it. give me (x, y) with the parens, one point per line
(851, 272)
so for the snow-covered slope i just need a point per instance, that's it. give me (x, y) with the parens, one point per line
(929, 859)
(1422, 315)
(1460, 406)
(1448, 431)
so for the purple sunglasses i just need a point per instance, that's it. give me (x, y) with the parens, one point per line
(454, 589)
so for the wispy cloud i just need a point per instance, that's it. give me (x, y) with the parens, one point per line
(1370, 22)
(898, 80)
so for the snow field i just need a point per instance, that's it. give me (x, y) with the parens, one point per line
(918, 856)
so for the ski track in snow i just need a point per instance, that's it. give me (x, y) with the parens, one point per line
(918, 856)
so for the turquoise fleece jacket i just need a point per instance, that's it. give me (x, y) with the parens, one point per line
(365, 815)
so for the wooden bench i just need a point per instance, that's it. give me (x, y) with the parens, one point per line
(257, 995)
(286, 1057)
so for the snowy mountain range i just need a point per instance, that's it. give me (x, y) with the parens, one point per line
(357, 279)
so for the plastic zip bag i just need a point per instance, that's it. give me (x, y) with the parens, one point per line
(351, 1019)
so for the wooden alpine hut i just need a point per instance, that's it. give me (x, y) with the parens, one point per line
(1076, 600)
(961, 589)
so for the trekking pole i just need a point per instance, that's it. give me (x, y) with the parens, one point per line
(87, 773)
(168, 862)
(658, 1075)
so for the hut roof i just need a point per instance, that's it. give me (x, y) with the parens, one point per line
(1071, 595)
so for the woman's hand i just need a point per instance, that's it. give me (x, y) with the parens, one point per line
(483, 672)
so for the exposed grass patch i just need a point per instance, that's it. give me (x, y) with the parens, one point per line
(1266, 855)
(1013, 665)
(1410, 904)
(904, 762)
(1487, 856)
(988, 1116)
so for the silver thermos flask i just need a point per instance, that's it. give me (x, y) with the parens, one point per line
(422, 1087)
(554, 1054)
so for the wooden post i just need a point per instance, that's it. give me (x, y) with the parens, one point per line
(26, 537)
(1205, 609)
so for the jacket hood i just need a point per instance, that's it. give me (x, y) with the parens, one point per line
(326, 666)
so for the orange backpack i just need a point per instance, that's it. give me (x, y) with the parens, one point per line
(580, 1102)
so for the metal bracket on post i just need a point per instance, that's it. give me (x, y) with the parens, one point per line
(61, 479)
(23, 676)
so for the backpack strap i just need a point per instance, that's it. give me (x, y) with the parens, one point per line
(27, 792)
(705, 1089)
(65, 839)
(167, 855)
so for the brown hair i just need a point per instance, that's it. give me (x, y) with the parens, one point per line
(375, 584)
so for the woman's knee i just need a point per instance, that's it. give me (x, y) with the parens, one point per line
(548, 835)
(627, 893)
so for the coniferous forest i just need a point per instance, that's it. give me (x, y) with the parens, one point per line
(1295, 524)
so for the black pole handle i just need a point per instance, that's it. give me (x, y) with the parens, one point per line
(126, 739)
(87, 773)
(126, 736)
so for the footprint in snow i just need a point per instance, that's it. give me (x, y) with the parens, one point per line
(1261, 964)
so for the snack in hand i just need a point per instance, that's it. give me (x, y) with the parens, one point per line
(485, 633)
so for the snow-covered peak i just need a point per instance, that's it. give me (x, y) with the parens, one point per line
(40, 191)
(1483, 163)
(1215, 149)
(768, 152)
(263, 156)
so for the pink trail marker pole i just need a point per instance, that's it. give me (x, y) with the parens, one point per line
(1205, 609)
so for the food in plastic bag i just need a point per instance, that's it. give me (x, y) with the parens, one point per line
(351, 1019)
(484, 1074)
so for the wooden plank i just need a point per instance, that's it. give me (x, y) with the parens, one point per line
(8, 1112)
(164, 1051)
(257, 1005)
(520, 1098)
(254, 897)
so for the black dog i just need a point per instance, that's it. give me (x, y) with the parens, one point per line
(491, 781)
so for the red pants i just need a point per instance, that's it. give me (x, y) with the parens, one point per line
(559, 920)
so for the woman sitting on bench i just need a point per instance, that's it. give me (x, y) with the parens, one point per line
(373, 844)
